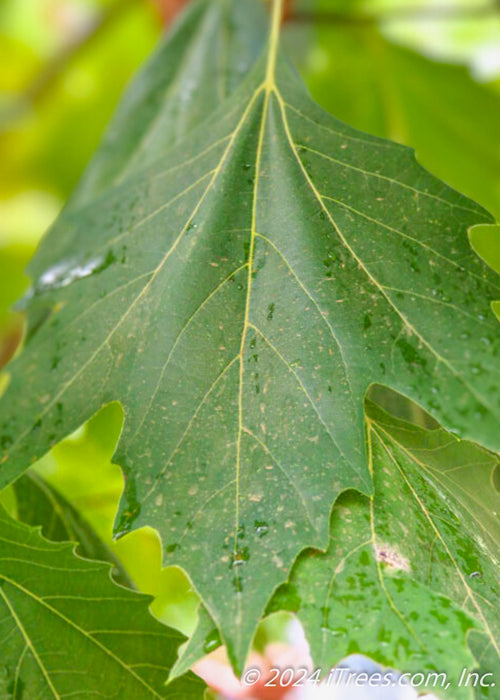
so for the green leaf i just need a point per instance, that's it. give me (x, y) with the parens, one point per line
(486, 242)
(417, 562)
(80, 469)
(487, 657)
(205, 639)
(67, 629)
(353, 604)
(238, 296)
(40, 504)
(438, 109)
(210, 49)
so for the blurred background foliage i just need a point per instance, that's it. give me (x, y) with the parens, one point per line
(422, 72)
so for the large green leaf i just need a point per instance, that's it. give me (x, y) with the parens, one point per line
(238, 296)
(423, 549)
(67, 630)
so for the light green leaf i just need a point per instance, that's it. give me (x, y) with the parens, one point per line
(486, 242)
(67, 630)
(409, 571)
(238, 296)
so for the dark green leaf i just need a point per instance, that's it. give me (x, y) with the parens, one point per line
(67, 630)
(38, 503)
(238, 296)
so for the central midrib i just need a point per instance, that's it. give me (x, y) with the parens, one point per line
(269, 86)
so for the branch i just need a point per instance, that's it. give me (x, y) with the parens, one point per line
(9, 342)
(414, 13)
(168, 9)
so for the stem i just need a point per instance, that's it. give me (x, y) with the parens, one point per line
(274, 37)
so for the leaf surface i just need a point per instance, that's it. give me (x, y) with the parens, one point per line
(424, 551)
(201, 62)
(67, 630)
(238, 296)
(204, 639)
(40, 504)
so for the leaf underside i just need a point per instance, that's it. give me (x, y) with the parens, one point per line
(238, 294)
